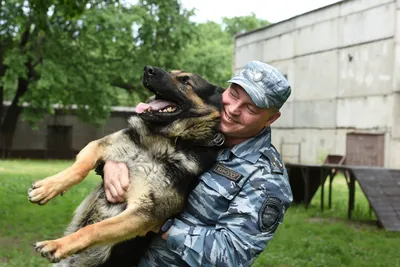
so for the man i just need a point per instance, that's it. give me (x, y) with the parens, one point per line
(237, 206)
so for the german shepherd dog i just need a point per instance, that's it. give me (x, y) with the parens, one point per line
(169, 142)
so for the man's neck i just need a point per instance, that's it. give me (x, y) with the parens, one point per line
(232, 141)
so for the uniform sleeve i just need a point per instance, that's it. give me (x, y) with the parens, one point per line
(242, 232)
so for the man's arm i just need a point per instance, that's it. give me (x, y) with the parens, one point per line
(242, 232)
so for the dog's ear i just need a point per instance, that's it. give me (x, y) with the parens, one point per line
(210, 93)
(215, 98)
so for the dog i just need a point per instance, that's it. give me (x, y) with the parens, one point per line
(169, 142)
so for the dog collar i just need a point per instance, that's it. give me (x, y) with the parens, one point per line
(218, 140)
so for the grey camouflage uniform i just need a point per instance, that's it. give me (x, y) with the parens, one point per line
(233, 212)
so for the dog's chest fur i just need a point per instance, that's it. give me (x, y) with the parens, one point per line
(154, 157)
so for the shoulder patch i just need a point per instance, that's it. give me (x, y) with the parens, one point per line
(270, 214)
(226, 172)
(274, 159)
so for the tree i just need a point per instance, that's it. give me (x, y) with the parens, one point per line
(23, 28)
(89, 54)
(78, 53)
(236, 25)
(210, 54)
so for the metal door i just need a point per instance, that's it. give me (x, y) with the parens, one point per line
(364, 149)
(59, 142)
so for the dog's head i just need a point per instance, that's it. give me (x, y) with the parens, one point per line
(183, 102)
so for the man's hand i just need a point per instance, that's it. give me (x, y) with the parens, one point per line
(164, 236)
(116, 181)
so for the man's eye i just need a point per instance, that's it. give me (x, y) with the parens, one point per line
(233, 95)
(251, 110)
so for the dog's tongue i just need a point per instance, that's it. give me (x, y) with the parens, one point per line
(141, 107)
(154, 105)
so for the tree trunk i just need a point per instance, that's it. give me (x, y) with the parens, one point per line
(2, 73)
(9, 123)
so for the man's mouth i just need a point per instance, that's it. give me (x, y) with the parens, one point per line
(229, 119)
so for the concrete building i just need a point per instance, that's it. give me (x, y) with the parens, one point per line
(343, 63)
(62, 135)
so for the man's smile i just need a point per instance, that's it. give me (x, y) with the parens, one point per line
(228, 118)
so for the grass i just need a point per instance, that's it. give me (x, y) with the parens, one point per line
(22, 223)
(306, 238)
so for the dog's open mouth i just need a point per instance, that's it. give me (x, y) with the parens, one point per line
(158, 106)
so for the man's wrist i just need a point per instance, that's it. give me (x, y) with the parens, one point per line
(165, 227)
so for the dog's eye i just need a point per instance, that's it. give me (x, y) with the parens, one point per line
(184, 79)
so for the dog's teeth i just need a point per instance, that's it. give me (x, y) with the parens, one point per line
(169, 109)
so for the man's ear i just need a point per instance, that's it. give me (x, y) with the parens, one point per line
(272, 118)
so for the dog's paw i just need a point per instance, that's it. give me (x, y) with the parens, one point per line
(52, 250)
(43, 191)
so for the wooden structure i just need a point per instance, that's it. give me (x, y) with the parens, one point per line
(381, 186)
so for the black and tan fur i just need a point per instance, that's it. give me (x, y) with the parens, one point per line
(165, 153)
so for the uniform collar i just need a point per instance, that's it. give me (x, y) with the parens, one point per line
(249, 149)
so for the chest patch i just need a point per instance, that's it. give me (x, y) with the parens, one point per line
(226, 172)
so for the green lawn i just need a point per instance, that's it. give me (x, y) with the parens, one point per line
(306, 238)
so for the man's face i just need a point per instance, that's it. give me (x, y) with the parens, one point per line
(240, 117)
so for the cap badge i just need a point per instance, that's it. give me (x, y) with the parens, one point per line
(257, 76)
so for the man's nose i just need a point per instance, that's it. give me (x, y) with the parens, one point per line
(234, 109)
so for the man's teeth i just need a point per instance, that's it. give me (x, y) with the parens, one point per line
(229, 119)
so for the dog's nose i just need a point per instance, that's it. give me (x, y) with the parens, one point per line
(149, 70)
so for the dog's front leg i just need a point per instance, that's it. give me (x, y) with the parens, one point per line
(126, 225)
(44, 190)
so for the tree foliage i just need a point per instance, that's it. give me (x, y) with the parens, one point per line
(89, 54)
(77, 53)
(237, 25)
(211, 52)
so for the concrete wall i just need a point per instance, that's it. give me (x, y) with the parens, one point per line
(32, 142)
(343, 63)
(299, 144)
